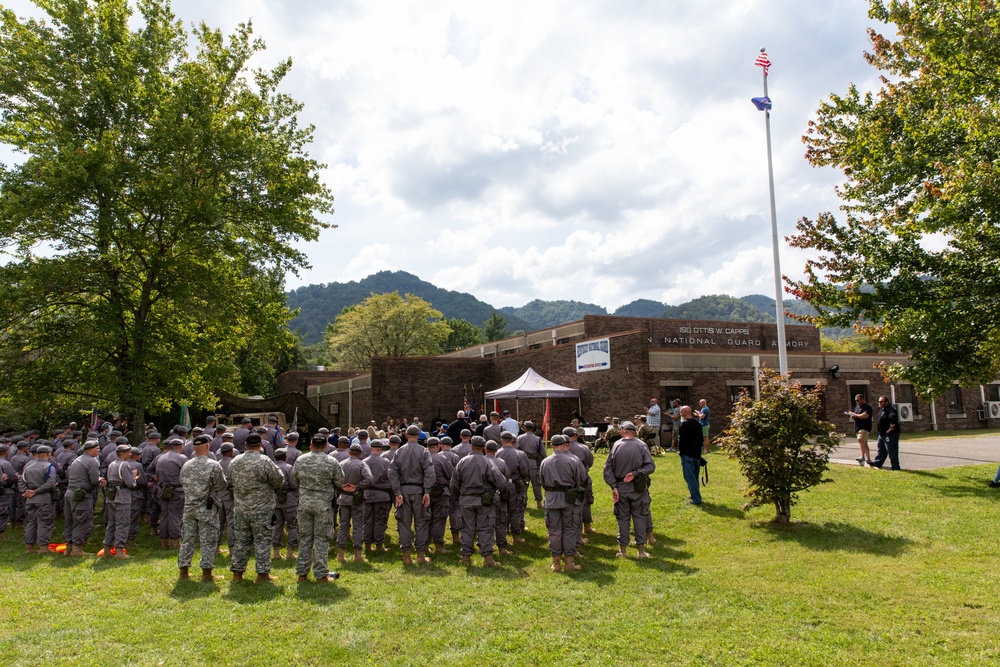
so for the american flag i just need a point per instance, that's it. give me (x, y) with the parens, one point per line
(763, 61)
(465, 399)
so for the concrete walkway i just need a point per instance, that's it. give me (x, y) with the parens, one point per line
(928, 453)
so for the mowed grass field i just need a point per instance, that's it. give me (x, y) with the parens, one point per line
(878, 568)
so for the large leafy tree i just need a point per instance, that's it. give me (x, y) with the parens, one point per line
(781, 445)
(154, 210)
(916, 248)
(386, 325)
(463, 334)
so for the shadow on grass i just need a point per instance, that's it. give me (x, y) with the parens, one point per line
(969, 487)
(723, 511)
(193, 588)
(322, 594)
(250, 592)
(923, 473)
(835, 536)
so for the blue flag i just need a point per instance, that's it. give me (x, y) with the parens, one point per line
(762, 103)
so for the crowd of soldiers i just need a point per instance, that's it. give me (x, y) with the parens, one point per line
(255, 489)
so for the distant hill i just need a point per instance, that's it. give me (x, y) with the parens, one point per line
(543, 314)
(320, 304)
(641, 308)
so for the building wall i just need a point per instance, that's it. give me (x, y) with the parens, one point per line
(300, 381)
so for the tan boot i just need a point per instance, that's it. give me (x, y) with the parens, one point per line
(263, 577)
(642, 552)
(302, 579)
(650, 540)
(369, 547)
(77, 550)
(30, 549)
(207, 577)
(380, 547)
(322, 580)
(504, 551)
(237, 576)
(120, 553)
(183, 573)
(276, 553)
(289, 553)
(440, 549)
(587, 528)
(359, 556)
(570, 565)
(489, 562)
(518, 539)
(557, 564)
(456, 537)
(538, 505)
(175, 544)
(466, 561)
(621, 552)
(406, 558)
(341, 558)
(422, 558)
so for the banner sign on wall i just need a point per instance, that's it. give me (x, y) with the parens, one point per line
(593, 355)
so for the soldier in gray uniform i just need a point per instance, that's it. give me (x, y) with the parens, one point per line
(139, 493)
(582, 452)
(8, 488)
(170, 492)
(150, 451)
(63, 457)
(121, 482)
(394, 443)
(343, 451)
(563, 477)
(254, 479)
(286, 509)
(474, 484)
(78, 513)
(464, 448)
(378, 499)
(411, 474)
(292, 451)
(203, 479)
(226, 505)
(351, 503)
(37, 486)
(627, 472)
(500, 499)
(520, 474)
(241, 434)
(440, 508)
(534, 449)
(319, 477)
(454, 512)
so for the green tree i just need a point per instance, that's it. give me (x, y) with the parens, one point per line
(154, 214)
(852, 343)
(463, 334)
(386, 325)
(916, 248)
(780, 444)
(495, 328)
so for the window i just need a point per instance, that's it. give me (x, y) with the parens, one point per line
(953, 400)
(904, 394)
(855, 389)
(993, 392)
(670, 393)
(736, 390)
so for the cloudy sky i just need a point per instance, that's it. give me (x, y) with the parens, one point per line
(594, 150)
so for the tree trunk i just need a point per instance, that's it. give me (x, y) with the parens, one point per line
(783, 510)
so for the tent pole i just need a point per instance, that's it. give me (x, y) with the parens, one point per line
(517, 409)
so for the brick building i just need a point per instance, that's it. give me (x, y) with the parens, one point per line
(668, 359)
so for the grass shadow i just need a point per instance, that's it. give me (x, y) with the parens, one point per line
(321, 594)
(723, 511)
(924, 473)
(969, 487)
(250, 592)
(836, 536)
(193, 589)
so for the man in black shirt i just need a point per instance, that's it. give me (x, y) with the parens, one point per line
(888, 435)
(862, 417)
(689, 440)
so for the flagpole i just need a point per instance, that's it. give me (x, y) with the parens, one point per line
(779, 305)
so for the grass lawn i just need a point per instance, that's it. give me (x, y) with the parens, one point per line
(878, 568)
(962, 433)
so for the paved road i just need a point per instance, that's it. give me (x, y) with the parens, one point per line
(929, 453)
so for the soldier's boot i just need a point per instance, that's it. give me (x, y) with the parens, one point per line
(538, 505)
(642, 552)
(208, 577)
(587, 528)
(183, 573)
(237, 576)
(120, 553)
(164, 544)
(570, 565)
(466, 561)
(30, 549)
(489, 562)
(358, 556)
(518, 539)
(456, 537)
(289, 553)
(175, 544)
(341, 558)
(264, 577)
(380, 547)
(302, 579)
(440, 549)
(621, 551)
(77, 550)
(369, 547)
(276, 553)
(406, 558)
(650, 540)
(322, 580)
(557, 564)
(504, 551)
(422, 558)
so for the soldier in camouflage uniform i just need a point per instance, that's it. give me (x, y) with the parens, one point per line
(254, 479)
(203, 479)
(319, 477)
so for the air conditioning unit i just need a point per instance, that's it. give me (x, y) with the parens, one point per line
(334, 409)
(905, 412)
(993, 409)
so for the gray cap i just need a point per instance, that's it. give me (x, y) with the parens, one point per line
(628, 426)
(154, 435)
(272, 417)
(226, 447)
(377, 443)
(412, 429)
(280, 453)
(202, 440)
(343, 440)
(478, 441)
(569, 431)
(466, 433)
(43, 449)
(559, 440)
(507, 435)
(123, 448)
(362, 434)
(528, 425)
(356, 447)
(91, 444)
(4, 447)
(394, 440)
(261, 429)
(253, 439)
(293, 435)
(211, 418)
(68, 442)
(447, 441)
(492, 445)
(226, 436)
(246, 420)
(197, 430)
(136, 451)
(433, 442)
(181, 429)
(121, 440)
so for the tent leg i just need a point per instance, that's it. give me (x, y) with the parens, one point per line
(517, 409)
(579, 407)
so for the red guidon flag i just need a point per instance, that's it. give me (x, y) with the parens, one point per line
(763, 61)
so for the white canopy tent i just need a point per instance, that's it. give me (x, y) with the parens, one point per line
(533, 385)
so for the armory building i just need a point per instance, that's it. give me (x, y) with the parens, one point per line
(619, 363)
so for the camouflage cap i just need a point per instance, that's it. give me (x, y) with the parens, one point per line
(319, 438)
